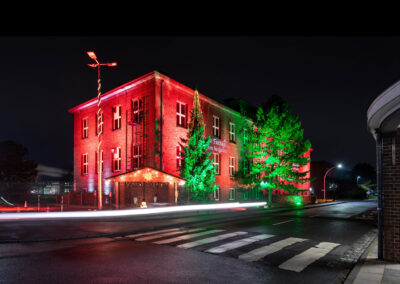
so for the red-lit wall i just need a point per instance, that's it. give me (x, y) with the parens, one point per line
(159, 90)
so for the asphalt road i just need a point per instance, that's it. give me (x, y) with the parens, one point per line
(317, 245)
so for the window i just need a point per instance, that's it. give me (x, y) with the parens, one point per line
(216, 124)
(216, 162)
(117, 117)
(181, 114)
(216, 194)
(232, 194)
(136, 155)
(245, 195)
(85, 128)
(179, 157)
(85, 164)
(117, 159)
(245, 167)
(232, 132)
(101, 161)
(245, 138)
(99, 123)
(137, 111)
(231, 166)
(257, 194)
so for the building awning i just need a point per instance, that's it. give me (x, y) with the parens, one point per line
(146, 174)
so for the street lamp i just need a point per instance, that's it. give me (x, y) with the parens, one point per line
(337, 166)
(97, 65)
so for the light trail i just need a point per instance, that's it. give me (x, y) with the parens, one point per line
(128, 212)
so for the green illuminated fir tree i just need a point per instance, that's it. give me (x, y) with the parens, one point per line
(198, 169)
(276, 149)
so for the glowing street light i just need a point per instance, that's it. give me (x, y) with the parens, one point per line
(97, 65)
(337, 166)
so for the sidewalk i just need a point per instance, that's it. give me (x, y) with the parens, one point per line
(370, 270)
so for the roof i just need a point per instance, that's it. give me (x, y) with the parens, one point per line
(384, 113)
(151, 75)
(139, 176)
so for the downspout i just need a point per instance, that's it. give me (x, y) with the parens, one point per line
(380, 193)
(161, 123)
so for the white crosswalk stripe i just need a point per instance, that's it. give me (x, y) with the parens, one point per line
(299, 262)
(152, 232)
(259, 253)
(182, 231)
(296, 263)
(238, 243)
(210, 240)
(186, 237)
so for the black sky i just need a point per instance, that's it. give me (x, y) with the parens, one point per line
(328, 80)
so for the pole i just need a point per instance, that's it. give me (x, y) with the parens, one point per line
(380, 193)
(325, 181)
(99, 182)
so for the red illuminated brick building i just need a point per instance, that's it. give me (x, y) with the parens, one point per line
(143, 122)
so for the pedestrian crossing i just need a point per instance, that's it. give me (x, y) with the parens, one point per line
(299, 253)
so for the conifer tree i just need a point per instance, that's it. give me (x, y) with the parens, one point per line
(198, 170)
(276, 148)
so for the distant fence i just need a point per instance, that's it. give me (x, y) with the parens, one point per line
(19, 192)
(83, 199)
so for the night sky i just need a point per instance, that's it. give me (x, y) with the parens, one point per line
(328, 80)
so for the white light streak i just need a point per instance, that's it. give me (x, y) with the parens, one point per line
(128, 212)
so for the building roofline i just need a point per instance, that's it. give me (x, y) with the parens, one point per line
(156, 75)
(387, 103)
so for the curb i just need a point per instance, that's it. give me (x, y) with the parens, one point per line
(351, 276)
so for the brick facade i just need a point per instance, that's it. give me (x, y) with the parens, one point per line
(162, 134)
(391, 196)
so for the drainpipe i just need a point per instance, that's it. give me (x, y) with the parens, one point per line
(380, 193)
(161, 123)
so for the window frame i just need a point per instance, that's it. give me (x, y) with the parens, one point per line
(216, 194)
(117, 117)
(232, 166)
(216, 128)
(117, 160)
(85, 164)
(234, 193)
(181, 118)
(218, 163)
(138, 156)
(85, 128)
(179, 157)
(232, 132)
(137, 113)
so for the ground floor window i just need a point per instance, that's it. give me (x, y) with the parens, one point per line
(245, 195)
(216, 194)
(232, 194)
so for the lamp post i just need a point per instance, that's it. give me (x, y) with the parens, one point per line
(338, 166)
(97, 65)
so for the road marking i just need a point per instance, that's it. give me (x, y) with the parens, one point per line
(238, 243)
(210, 240)
(282, 222)
(304, 259)
(186, 237)
(168, 234)
(152, 232)
(261, 252)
